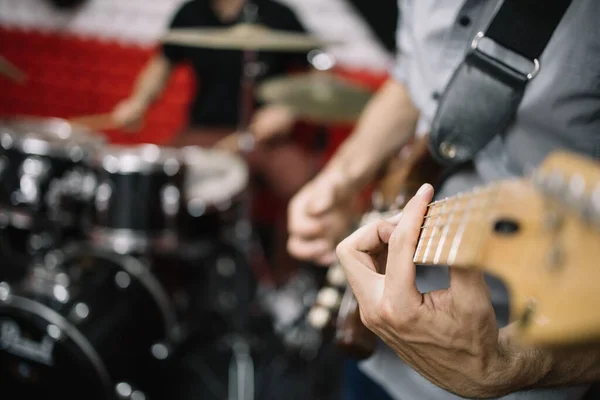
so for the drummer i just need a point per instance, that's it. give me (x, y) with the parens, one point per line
(214, 111)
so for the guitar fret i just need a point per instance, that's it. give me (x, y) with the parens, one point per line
(422, 237)
(427, 249)
(440, 244)
(459, 234)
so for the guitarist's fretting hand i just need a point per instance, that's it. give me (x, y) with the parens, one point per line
(318, 217)
(449, 336)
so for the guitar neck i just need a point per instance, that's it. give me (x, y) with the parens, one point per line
(452, 232)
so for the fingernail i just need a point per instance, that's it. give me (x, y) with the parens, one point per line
(424, 190)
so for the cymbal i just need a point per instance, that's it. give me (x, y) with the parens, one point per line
(243, 36)
(318, 97)
(10, 71)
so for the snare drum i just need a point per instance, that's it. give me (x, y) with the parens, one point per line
(88, 327)
(137, 198)
(216, 204)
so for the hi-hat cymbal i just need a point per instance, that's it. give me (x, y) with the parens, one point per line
(10, 71)
(318, 97)
(243, 37)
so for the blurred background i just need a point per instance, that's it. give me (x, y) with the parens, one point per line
(65, 331)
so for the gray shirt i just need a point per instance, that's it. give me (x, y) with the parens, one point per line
(560, 109)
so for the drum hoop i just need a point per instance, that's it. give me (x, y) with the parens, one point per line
(21, 137)
(48, 314)
(142, 165)
(141, 271)
(13, 216)
(104, 238)
(229, 188)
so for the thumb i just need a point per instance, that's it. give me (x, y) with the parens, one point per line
(322, 202)
(329, 191)
(469, 284)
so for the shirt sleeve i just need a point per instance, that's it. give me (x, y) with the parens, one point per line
(172, 52)
(403, 41)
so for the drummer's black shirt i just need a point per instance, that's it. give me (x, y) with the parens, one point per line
(219, 72)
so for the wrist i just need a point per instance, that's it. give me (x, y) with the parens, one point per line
(518, 367)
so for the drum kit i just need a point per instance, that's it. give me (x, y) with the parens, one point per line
(105, 281)
(113, 255)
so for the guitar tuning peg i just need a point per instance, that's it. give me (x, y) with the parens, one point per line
(595, 203)
(576, 189)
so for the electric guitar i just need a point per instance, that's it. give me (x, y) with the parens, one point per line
(540, 235)
(336, 306)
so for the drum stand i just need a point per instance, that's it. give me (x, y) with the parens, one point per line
(241, 366)
(250, 71)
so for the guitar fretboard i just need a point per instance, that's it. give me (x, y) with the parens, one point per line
(451, 230)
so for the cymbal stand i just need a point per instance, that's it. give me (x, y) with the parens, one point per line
(250, 71)
(241, 365)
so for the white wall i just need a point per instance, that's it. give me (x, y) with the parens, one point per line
(141, 22)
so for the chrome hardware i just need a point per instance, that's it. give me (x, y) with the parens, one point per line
(528, 313)
(4, 291)
(448, 150)
(319, 317)
(160, 351)
(329, 298)
(225, 266)
(553, 220)
(555, 257)
(122, 279)
(170, 200)
(475, 47)
(54, 332)
(80, 312)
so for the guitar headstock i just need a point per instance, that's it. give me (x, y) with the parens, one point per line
(545, 245)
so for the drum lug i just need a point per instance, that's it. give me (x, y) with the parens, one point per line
(160, 351)
(4, 291)
(126, 391)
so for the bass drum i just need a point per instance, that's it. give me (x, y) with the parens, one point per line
(88, 327)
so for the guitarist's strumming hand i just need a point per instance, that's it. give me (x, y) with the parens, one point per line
(318, 217)
(449, 336)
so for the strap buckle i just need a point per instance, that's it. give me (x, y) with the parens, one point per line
(491, 55)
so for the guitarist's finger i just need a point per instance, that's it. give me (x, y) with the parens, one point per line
(356, 256)
(400, 269)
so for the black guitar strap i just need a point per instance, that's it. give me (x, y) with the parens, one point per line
(486, 89)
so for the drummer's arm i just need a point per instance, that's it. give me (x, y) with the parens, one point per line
(150, 83)
(387, 123)
(152, 80)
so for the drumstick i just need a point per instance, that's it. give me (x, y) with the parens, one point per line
(100, 122)
(237, 142)
(96, 122)
(10, 71)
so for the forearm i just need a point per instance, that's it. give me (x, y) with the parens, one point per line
(545, 367)
(152, 80)
(388, 122)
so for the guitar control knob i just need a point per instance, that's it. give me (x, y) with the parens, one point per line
(336, 276)
(319, 317)
(329, 298)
